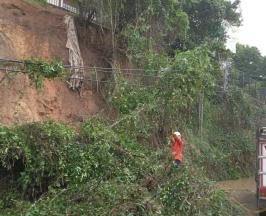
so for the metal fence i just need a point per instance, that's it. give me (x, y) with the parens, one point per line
(70, 8)
(63, 5)
(54, 2)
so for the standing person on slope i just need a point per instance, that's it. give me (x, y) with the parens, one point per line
(177, 148)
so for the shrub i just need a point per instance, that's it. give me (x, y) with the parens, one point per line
(39, 69)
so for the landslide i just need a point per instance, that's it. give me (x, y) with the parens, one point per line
(28, 31)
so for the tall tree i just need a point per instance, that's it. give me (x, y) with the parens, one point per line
(248, 60)
(210, 18)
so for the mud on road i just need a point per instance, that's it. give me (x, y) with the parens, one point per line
(243, 193)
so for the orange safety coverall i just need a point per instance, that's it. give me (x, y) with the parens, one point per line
(177, 148)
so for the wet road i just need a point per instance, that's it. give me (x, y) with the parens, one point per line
(243, 192)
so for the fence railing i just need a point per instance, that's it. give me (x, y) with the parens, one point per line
(70, 8)
(54, 2)
(95, 76)
(63, 5)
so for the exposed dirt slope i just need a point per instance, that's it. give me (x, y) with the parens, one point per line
(31, 31)
(21, 102)
(27, 30)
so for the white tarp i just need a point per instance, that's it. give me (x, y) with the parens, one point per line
(75, 57)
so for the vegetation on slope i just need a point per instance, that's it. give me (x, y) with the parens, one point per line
(97, 171)
(113, 168)
(39, 70)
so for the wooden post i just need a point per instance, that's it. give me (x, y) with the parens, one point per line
(249, 90)
(243, 80)
(91, 77)
(201, 111)
(97, 81)
(264, 93)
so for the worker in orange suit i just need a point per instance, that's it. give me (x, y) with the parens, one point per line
(177, 148)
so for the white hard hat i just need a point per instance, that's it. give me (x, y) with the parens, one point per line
(177, 133)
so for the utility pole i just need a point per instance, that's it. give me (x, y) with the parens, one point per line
(226, 67)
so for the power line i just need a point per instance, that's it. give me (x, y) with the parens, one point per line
(87, 67)
(25, 71)
(13, 70)
(112, 71)
(129, 71)
(6, 69)
(107, 82)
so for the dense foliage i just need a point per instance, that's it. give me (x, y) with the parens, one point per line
(209, 19)
(227, 143)
(97, 171)
(172, 24)
(124, 167)
(175, 78)
(249, 62)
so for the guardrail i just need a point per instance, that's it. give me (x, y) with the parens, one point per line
(70, 8)
(63, 5)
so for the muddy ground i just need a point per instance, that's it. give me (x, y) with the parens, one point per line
(243, 193)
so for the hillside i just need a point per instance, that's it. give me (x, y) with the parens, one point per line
(28, 31)
(118, 159)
